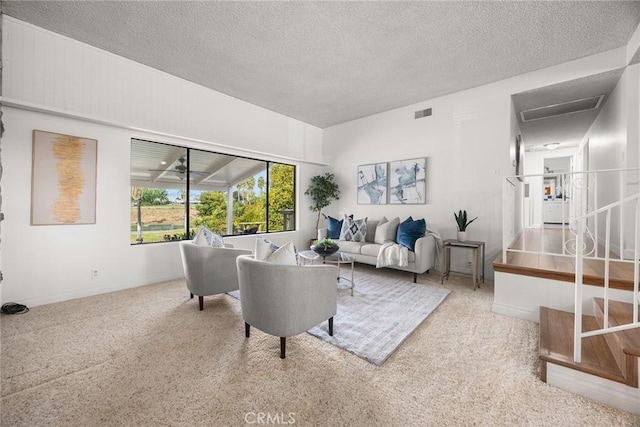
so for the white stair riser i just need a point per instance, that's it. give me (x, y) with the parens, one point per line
(595, 388)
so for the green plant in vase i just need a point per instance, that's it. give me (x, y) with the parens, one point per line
(325, 246)
(323, 190)
(462, 222)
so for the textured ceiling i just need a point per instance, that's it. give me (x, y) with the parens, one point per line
(329, 62)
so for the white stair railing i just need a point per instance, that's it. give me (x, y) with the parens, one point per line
(597, 210)
(581, 227)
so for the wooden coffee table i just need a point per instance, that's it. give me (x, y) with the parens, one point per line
(338, 259)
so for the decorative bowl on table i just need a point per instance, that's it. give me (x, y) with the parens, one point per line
(325, 247)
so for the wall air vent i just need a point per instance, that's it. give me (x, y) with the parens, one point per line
(423, 113)
(577, 106)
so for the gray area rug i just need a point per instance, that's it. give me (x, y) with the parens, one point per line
(380, 315)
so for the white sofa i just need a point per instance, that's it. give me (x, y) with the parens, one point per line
(421, 260)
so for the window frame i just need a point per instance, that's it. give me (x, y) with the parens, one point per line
(229, 193)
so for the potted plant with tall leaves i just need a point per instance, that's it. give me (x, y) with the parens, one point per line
(323, 190)
(463, 223)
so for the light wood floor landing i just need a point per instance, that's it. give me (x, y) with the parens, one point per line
(558, 266)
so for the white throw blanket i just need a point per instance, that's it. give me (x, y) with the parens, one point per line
(438, 239)
(398, 255)
(392, 254)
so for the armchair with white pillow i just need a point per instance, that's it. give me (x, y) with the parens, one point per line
(209, 265)
(285, 299)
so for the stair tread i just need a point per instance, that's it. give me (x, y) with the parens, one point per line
(556, 345)
(621, 313)
(555, 267)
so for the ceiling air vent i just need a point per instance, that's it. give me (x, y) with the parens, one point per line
(423, 113)
(577, 106)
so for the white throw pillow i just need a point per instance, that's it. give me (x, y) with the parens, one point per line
(206, 237)
(386, 231)
(264, 248)
(285, 254)
(200, 240)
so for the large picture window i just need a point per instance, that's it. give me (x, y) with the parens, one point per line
(176, 189)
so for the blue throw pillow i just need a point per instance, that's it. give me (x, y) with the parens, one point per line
(409, 231)
(333, 228)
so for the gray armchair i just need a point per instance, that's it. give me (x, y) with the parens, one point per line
(209, 270)
(286, 300)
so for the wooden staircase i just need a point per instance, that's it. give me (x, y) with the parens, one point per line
(613, 356)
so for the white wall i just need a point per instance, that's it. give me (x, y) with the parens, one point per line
(462, 171)
(633, 116)
(467, 143)
(515, 210)
(608, 133)
(521, 296)
(632, 178)
(60, 85)
(608, 150)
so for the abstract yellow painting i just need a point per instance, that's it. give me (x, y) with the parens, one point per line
(63, 179)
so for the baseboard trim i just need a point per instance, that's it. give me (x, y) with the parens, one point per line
(611, 393)
(90, 291)
(511, 311)
(628, 254)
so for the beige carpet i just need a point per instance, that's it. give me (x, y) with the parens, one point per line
(148, 357)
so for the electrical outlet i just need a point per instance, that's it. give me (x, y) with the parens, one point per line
(94, 273)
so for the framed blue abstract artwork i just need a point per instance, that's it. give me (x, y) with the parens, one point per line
(372, 184)
(407, 181)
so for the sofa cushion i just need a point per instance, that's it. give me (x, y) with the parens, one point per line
(386, 232)
(409, 231)
(370, 249)
(372, 225)
(354, 229)
(350, 246)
